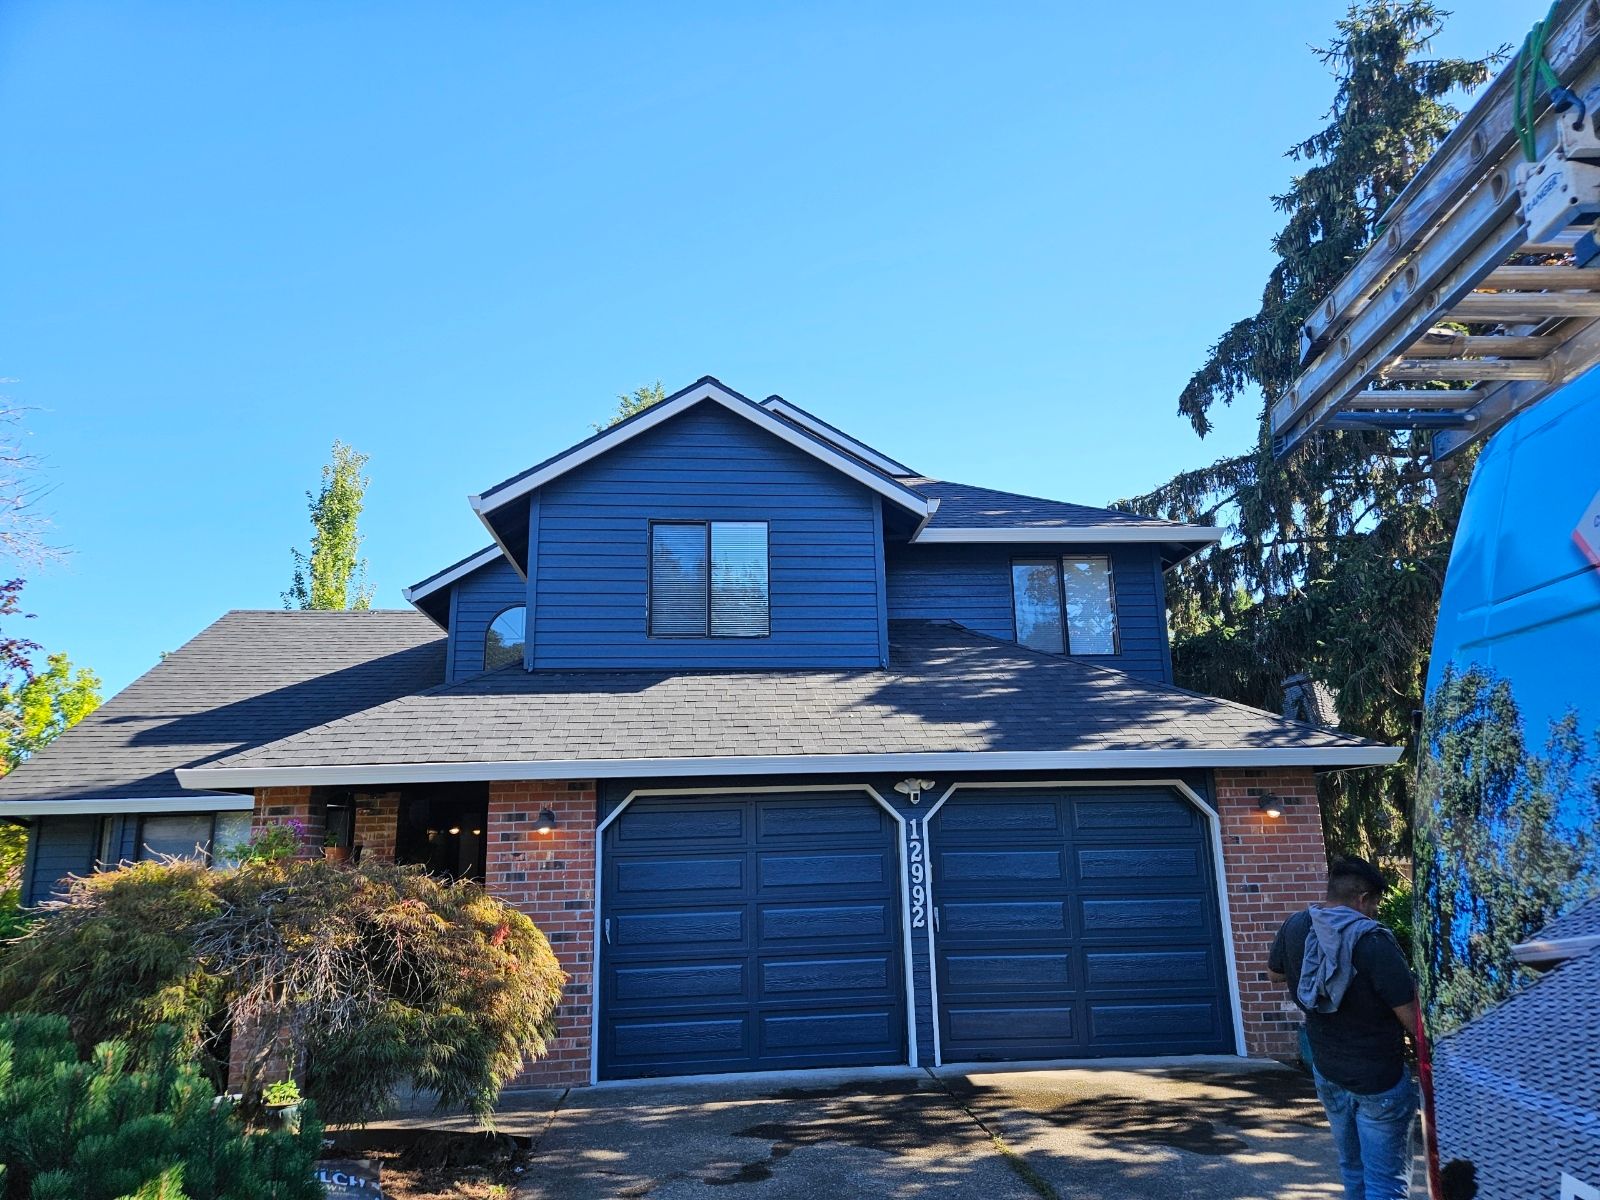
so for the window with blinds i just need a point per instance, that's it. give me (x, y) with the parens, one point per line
(709, 579)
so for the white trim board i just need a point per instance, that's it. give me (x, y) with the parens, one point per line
(446, 577)
(114, 806)
(219, 777)
(595, 990)
(839, 437)
(1224, 912)
(486, 502)
(1070, 535)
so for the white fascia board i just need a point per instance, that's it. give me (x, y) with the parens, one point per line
(799, 764)
(114, 804)
(445, 578)
(1073, 534)
(665, 411)
(503, 548)
(829, 434)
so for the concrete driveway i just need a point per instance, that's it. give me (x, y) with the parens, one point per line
(1129, 1131)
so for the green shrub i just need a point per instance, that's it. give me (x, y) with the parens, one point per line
(110, 1128)
(1397, 913)
(357, 981)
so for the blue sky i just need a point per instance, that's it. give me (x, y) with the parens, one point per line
(994, 241)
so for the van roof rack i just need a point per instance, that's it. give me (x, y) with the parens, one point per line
(1485, 272)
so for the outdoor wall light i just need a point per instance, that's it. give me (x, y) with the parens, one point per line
(455, 830)
(547, 821)
(1271, 805)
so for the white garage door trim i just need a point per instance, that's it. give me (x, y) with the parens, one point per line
(1219, 870)
(905, 899)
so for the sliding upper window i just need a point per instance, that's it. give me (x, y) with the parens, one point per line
(709, 579)
(1065, 605)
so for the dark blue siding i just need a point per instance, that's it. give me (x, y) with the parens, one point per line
(751, 932)
(61, 846)
(1077, 923)
(592, 535)
(971, 585)
(476, 600)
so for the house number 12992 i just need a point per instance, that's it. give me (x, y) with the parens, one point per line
(918, 871)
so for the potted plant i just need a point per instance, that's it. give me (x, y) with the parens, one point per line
(282, 1103)
(332, 851)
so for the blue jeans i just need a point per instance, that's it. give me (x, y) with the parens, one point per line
(1373, 1134)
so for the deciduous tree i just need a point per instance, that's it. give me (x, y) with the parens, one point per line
(636, 401)
(333, 575)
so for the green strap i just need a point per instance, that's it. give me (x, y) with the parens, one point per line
(1533, 80)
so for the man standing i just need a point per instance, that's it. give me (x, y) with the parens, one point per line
(1350, 977)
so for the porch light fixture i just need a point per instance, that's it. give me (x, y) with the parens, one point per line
(1271, 805)
(547, 821)
(455, 830)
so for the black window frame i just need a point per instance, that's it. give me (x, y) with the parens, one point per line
(649, 592)
(522, 656)
(1059, 562)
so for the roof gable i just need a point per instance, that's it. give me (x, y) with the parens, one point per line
(490, 503)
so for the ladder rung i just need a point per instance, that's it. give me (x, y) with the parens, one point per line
(1524, 306)
(1462, 370)
(1446, 343)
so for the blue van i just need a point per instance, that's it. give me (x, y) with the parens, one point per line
(1508, 821)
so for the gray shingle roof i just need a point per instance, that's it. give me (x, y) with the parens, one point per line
(1518, 1090)
(966, 506)
(249, 678)
(947, 690)
(1582, 921)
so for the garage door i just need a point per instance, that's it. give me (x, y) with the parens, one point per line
(1074, 923)
(744, 933)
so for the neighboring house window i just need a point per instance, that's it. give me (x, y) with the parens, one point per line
(1065, 604)
(709, 579)
(502, 645)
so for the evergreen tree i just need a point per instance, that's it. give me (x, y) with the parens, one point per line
(1334, 555)
(333, 576)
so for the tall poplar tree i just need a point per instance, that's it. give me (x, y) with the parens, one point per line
(333, 575)
(1334, 556)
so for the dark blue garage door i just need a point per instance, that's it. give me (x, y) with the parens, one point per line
(1076, 923)
(745, 933)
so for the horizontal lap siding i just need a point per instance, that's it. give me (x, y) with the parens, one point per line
(62, 846)
(971, 585)
(479, 599)
(591, 578)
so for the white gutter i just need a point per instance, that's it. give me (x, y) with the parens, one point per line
(113, 804)
(445, 578)
(796, 764)
(1071, 534)
(1555, 951)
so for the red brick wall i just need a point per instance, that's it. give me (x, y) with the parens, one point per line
(1275, 866)
(377, 822)
(275, 806)
(551, 878)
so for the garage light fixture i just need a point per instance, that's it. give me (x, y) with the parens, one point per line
(1272, 805)
(547, 821)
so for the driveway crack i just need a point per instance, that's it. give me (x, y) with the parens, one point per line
(1018, 1164)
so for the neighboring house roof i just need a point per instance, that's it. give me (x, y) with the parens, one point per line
(1574, 933)
(249, 678)
(1515, 1089)
(950, 699)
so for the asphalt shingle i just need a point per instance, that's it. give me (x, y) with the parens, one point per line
(249, 678)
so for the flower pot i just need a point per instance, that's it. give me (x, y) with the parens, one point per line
(336, 854)
(284, 1116)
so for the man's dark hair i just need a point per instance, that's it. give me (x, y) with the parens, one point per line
(1351, 878)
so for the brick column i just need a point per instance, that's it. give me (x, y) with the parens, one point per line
(279, 805)
(377, 824)
(550, 877)
(1274, 867)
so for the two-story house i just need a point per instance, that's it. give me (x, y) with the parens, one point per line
(800, 759)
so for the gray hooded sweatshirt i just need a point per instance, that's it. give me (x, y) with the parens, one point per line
(1327, 970)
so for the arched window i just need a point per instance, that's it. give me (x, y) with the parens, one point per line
(502, 645)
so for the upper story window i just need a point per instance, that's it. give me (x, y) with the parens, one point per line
(709, 579)
(1065, 604)
(502, 644)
